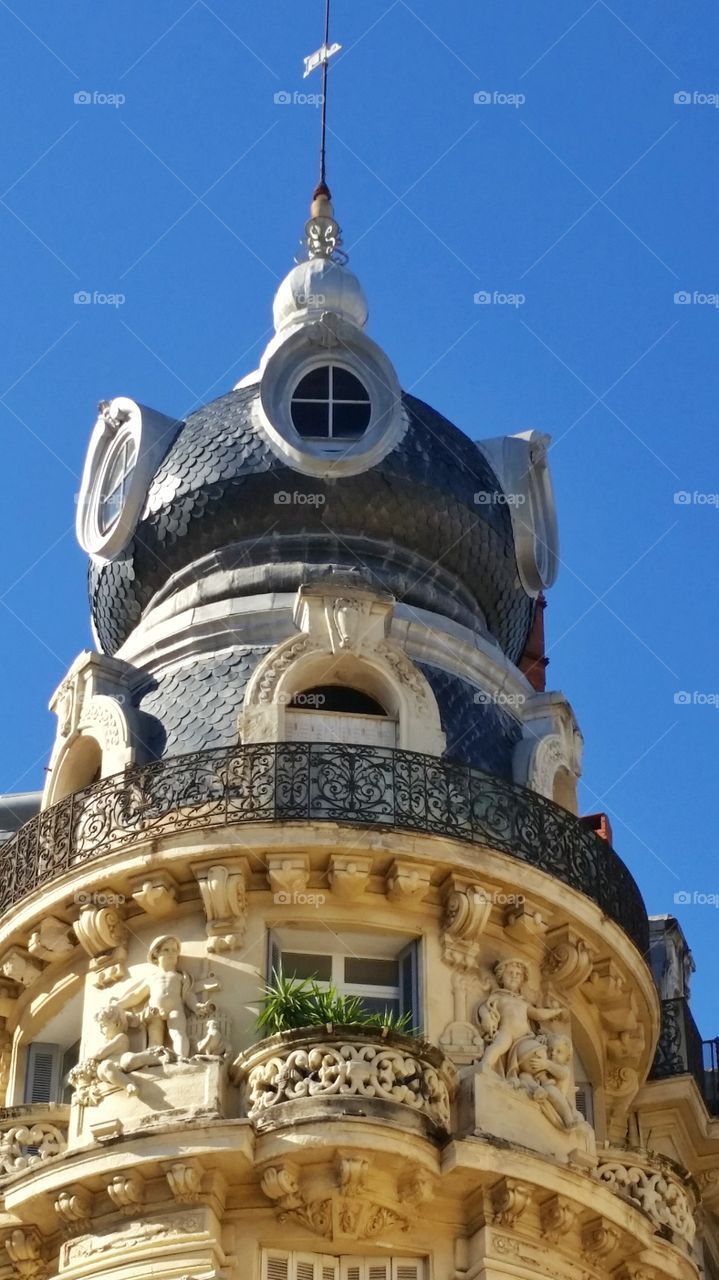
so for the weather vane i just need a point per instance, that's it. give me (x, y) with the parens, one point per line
(323, 236)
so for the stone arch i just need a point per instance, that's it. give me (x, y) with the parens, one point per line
(344, 641)
(544, 766)
(99, 746)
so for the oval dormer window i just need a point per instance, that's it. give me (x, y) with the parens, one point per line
(115, 482)
(330, 403)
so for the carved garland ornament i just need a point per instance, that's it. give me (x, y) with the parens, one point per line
(24, 1145)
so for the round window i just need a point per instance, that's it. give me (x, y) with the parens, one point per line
(115, 483)
(330, 403)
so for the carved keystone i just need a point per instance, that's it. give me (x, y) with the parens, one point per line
(24, 1249)
(224, 896)
(74, 1208)
(184, 1179)
(17, 965)
(569, 960)
(102, 935)
(407, 883)
(348, 876)
(509, 1199)
(156, 894)
(127, 1191)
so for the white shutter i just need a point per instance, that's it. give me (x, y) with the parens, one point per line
(41, 1075)
(352, 1269)
(378, 1269)
(407, 1269)
(276, 1266)
(314, 1266)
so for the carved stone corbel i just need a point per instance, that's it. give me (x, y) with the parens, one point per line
(223, 887)
(127, 1191)
(407, 882)
(352, 1172)
(348, 875)
(467, 909)
(17, 965)
(287, 875)
(102, 934)
(568, 961)
(600, 1239)
(51, 940)
(73, 1207)
(156, 894)
(184, 1178)
(557, 1217)
(25, 1250)
(524, 921)
(508, 1200)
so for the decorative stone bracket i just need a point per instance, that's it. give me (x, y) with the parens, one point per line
(508, 1201)
(349, 875)
(50, 940)
(467, 909)
(569, 960)
(156, 894)
(287, 875)
(407, 883)
(17, 965)
(24, 1247)
(103, 936)
(73, 1207)
(127, 1191)
(223, 887)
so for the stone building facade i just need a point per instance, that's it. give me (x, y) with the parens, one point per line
(314, 742)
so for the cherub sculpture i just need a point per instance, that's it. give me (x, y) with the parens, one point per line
(506, 1016)
(540, 1066)
(165, 995)
(114, 1061)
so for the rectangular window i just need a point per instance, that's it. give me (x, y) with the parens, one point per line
(278, 1265)
(386, 982)
(42, 1073)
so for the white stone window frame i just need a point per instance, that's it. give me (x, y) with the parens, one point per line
(312, 346)
(120, 423)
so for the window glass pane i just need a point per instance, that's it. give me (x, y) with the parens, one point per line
(376, 1004)
(346, 387)
(311, 419)
(350, 419)
(315, 385)
(296, 964)
(371, 971)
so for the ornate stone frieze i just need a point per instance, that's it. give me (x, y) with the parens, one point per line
(102, 934)
(223, 887)
(396, 1070)
(653, 1187)
(28, 1144)
(343, 1204)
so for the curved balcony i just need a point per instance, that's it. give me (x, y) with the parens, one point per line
(320, 782)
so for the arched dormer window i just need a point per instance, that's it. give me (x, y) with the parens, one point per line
(80, 766)
(339, 713)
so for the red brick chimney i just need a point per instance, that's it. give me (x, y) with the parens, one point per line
(533, 662)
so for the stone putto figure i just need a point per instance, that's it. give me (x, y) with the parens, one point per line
(164, 996)
(517, 1049)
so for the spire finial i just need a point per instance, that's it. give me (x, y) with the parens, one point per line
(322, 232)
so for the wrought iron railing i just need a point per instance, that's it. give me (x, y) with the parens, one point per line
(681, 1051)
(321, 782)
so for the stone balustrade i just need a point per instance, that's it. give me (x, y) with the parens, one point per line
(657, 1186)
(30, 1134)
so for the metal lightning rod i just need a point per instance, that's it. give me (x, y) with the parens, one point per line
(321, 58)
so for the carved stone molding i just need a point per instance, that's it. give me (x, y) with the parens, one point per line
(73, 1207)
(223, 887)
(17, 965)
(25, 1250)
(102, 934)
(508, 1201)
(184, 1178)
(30, 1140)
(156, 894)
(50, 940)
(568, 961)
(127, 1191)
(348, 875)
(287, 874)
(407, 882)
(343, 1207)
(557, 1217)
(600, 1239)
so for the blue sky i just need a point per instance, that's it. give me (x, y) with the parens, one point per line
(595, 198)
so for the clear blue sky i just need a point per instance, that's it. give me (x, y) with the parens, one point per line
(595, 198)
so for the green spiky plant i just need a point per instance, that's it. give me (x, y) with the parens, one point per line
(291, 1003)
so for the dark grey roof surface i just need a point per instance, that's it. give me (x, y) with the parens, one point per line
(197, 706)
(417, 504)
(17, 808)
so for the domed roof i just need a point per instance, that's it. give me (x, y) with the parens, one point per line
(223, 497)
